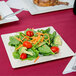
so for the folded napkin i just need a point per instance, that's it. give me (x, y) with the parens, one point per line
(70, 65)
(18, 4)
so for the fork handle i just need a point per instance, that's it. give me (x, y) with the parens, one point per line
(13, 14)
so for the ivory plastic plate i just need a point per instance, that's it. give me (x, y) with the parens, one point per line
(65, 51)
(34, 9)
(5, 10)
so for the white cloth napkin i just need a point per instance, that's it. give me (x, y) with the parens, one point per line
(18, 4)
(70, 65)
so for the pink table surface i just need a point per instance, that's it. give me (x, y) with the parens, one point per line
(63, 21)
(4, 0)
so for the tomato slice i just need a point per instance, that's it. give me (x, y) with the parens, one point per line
(29, 33)
(23, 56)
(55, 49)
(27, 44)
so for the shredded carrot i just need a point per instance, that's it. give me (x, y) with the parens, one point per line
(36, 59)
(18, 39)
(19, 47)
(39, 33)
(22, 34)
(25, 37)
(36, 39)
(39, 45)
(42, 39)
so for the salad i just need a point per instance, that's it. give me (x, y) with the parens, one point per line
(31, 44)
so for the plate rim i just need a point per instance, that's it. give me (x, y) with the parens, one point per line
(17, 66)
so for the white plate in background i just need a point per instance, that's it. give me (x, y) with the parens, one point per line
(5, 10)
(65, 51)
(34, 9)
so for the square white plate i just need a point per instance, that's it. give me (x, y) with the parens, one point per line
(5, 10)
(34, 9)
(65, 51)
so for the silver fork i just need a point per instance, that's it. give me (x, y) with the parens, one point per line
(13, 14)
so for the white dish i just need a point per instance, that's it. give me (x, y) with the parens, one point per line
(5, 10)
(65, 51)
(34, 9)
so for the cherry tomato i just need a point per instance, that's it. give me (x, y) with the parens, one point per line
(23, 56)
(29, 33)
(55, 49)
(27, 44)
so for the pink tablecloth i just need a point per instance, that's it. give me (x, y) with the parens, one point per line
(63, 21)
(4, 0)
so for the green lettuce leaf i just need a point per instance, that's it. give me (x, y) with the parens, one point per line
(13, 41)
(16, 55)
(34, 51)
(45, 50)
(44, 31)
